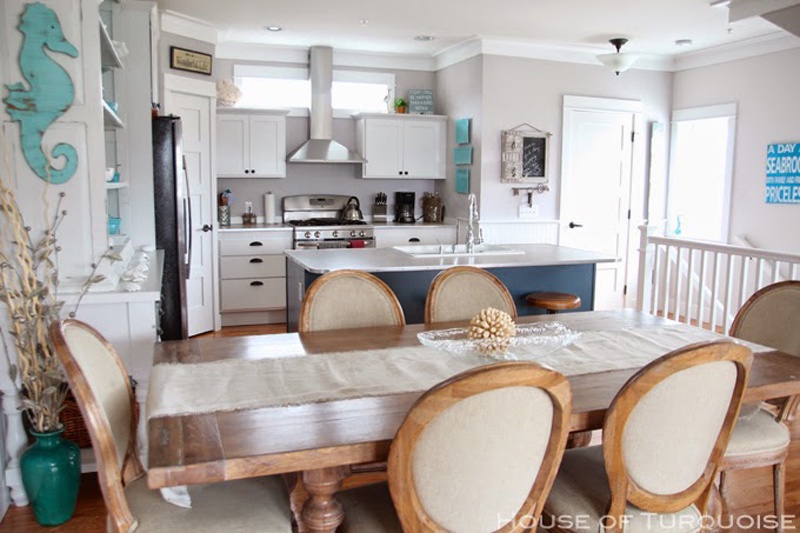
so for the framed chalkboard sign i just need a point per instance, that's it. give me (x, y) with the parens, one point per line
(525, 156)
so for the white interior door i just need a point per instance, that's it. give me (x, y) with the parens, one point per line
(196, 117)
(595, 190)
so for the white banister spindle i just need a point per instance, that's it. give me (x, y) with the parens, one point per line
(759, 274)
(776, 271)
(728, 293)
(678, 280)
(794, 274)
(656, 280)
(743, 281)
(667, 270)
(689, 286)
(701, 300)
(714, 292)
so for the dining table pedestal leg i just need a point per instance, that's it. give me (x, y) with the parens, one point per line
(322, 513)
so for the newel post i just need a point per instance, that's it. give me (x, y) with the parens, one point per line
(644, 291)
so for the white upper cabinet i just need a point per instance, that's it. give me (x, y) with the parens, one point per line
(251, 144)
(402, 146)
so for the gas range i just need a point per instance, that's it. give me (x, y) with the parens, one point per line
(317, 223)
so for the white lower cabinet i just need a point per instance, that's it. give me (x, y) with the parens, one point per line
(253, 276)
(403, 236)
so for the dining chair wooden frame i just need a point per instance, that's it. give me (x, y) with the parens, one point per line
(411, 513)
(306, 321)
(439, 285)
(623, 488)
(743, 328)
(112, 475)
(240, 504)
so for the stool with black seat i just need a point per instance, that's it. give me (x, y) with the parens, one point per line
(553, 302)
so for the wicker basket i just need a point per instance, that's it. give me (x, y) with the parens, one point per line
(75, 428)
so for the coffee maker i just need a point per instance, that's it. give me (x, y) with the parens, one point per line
(404, 207)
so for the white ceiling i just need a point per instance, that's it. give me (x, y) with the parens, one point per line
(651, 26)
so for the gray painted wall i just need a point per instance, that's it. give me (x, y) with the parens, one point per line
(460, 94)
(765, 89)
(517, 90)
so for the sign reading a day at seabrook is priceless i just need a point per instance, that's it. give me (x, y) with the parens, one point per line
(783, 173)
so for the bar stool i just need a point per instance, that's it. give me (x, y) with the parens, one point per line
(553, 302)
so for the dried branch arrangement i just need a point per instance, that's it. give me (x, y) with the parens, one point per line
(28, 288)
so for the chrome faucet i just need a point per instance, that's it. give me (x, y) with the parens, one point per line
(472, 218)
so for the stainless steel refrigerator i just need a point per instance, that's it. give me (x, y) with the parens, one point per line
(173, 220)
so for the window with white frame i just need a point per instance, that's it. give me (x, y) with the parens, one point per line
(701, 167)
(290, 88)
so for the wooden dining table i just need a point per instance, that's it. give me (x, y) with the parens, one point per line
(320, 441)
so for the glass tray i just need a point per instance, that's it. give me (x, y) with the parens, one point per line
(530, 342)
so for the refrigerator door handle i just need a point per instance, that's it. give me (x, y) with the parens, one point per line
(187, 220)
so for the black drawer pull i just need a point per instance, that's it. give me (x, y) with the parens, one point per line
(256, 243)
(413, 239)
(256, 283)
(256, 260)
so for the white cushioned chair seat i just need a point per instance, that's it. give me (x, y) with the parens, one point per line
(369, 509)
(247, 505)
(581, 494)
(757, 434)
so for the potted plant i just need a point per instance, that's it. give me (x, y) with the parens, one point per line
(399, 105)
(28, 289)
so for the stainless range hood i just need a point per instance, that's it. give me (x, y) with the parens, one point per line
(321, 148)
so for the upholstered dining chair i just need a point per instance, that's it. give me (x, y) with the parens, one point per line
(102, 390)
(760, 438)
(478, 452)
(663, 439)
(460, 292)
(349, 299)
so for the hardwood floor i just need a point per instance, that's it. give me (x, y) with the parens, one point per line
(750, 495)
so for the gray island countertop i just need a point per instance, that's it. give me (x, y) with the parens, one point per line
(391, 260)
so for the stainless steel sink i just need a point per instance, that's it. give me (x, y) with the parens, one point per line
(456, 250)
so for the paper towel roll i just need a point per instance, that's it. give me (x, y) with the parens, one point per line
(269, 208)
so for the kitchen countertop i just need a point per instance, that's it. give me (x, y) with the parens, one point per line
(391, 260)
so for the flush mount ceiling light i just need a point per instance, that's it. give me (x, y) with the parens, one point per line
(424, 38)
(618, 62)
(273, 28)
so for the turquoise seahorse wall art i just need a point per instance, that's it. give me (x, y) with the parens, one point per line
(50, 94)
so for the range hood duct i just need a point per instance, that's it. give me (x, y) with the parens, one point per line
(321, 148)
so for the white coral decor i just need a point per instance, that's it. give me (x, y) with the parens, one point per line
(492, 330)
(227, 93)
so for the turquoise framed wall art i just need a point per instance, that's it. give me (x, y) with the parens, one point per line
(462, 155)
(462, 131)
(462, 180)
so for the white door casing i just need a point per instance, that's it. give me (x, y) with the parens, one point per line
(596, 171)
(193, 101)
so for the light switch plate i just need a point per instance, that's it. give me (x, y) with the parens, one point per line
(528, 211)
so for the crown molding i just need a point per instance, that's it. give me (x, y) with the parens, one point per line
(189, 27)
(757, 46)
(458, 53)
(341, 58)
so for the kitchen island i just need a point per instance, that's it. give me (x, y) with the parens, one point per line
(533, 267)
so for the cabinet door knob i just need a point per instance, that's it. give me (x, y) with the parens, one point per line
(256, 243)
(247, 171)
(574, 225)
(400, 173)
(406, 172)
(252, 171)
(256, 260)
(413, 239)
(256, 283)
(207, 228)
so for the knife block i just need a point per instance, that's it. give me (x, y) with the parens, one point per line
(379, 213)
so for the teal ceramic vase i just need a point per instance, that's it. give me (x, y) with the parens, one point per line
(51, 474)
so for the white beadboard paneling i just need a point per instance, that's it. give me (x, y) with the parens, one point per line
(514, 232)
